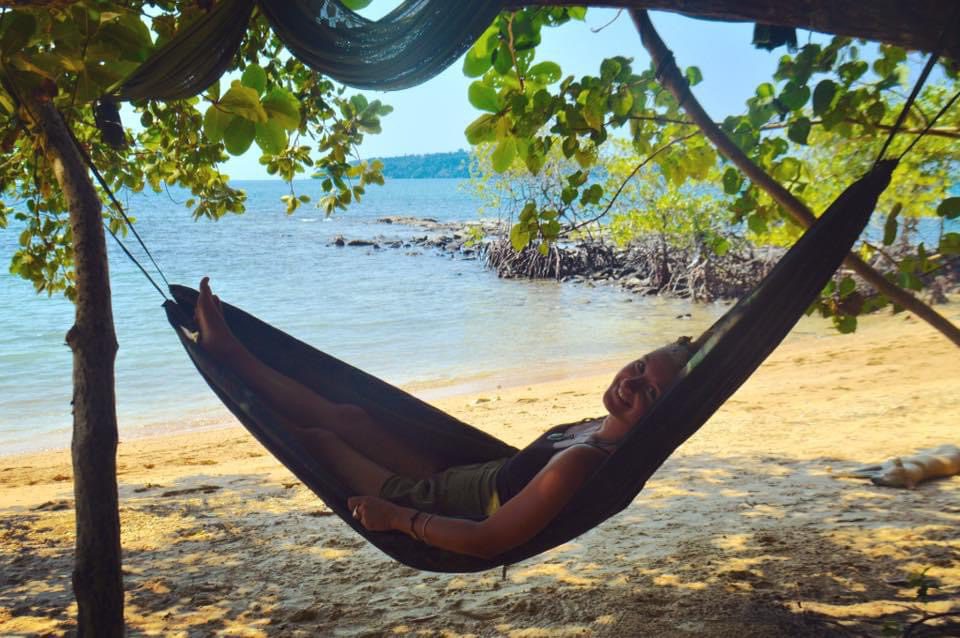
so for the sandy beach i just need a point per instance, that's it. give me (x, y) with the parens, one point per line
(746, 531)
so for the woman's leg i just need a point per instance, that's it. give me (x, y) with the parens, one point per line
(301, 405)
(362, 475)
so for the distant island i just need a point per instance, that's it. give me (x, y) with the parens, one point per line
(454, 164)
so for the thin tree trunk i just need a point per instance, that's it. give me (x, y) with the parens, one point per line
(911, 24)
(673, 80)
(97, 579)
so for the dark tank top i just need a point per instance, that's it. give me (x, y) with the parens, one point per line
(520, 469)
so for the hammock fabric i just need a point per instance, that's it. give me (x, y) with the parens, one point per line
(740, 341)
(408, 46)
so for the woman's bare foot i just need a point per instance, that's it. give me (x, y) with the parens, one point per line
(215, 335)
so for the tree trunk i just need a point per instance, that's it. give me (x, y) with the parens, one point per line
(97, 579)
(911, 24)
(673, 80)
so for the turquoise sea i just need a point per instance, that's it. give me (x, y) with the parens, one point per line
(429, 322)
(424, 320)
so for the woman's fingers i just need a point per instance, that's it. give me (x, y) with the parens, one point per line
(357, 505)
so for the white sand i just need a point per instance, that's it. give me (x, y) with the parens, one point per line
(744, 532)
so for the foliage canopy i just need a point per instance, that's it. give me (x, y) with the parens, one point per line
(815, 127)
(74, 54)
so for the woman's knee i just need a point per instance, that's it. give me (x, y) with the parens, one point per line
(320, 438)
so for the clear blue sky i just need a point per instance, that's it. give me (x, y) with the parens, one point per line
(431, 117)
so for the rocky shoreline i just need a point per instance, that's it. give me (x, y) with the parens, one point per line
(644, 267)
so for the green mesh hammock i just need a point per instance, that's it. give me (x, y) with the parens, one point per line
(408, 46)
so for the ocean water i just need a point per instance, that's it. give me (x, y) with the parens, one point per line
(425, 321)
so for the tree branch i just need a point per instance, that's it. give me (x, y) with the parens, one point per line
(636, 170)
(671, 77)
(916, 25)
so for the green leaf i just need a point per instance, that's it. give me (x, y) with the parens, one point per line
(586, 157)
(847, 286)
(519, 237)
(592, 195)
(949, 208)
(483, 97)
(480, 56)
(502, 60)
(787, 169)
(731, 181)
(271, 137)
(693, 75)
(851, 71)
(823, 96)
(254, 77)
(890, 226)
(875, 112)
(243, 101)
(238, 135)
(503, 155)
(482, 129)
(845, 324)
(765, 91)
(794, 96)
(545, 73)
(475, 64)
(544, 248)
(17, 32)
(949, 244)
(799, 130)
(282, 107)
(609, 68)
(356, 5)
(528, 213)
(126, 37)
(215, 123)
(757, 224)
(621, 102)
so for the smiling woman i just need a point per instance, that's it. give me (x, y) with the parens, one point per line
(482, 509)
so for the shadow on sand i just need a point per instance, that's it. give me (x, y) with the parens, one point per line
(761, 547)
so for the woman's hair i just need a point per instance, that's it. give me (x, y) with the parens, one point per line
(682, 350)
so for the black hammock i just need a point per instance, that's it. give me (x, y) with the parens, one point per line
(739, 342)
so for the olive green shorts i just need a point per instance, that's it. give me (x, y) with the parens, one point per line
(464, 490)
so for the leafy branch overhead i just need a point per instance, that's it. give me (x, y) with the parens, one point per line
(298, 120)
(815, 126)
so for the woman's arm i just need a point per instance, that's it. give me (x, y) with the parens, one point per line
(517, 521)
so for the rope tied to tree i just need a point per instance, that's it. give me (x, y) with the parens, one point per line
(119, 207)
(921, 80)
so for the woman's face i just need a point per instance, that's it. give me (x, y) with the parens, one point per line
(639, 384)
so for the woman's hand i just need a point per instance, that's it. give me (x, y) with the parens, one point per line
(377, 514)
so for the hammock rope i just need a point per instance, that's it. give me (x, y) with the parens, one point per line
(116, 203)
(921, 80)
